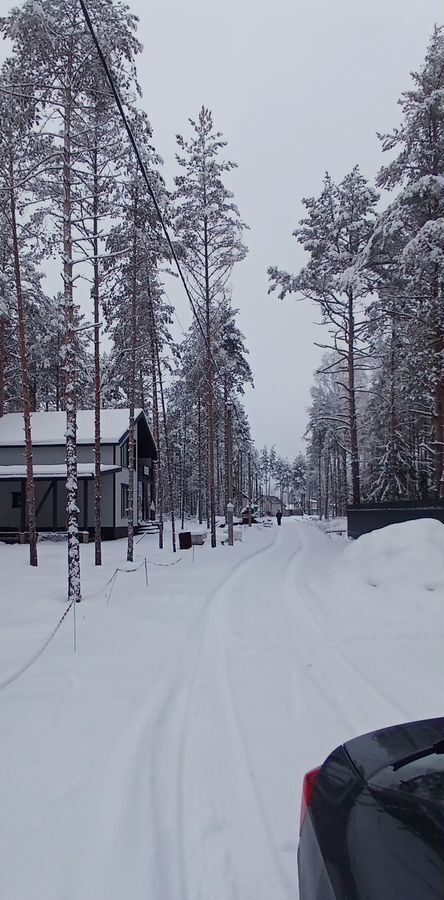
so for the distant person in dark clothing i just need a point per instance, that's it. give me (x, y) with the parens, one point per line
(279, 516)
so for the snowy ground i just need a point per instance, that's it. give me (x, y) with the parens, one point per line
(163, 760)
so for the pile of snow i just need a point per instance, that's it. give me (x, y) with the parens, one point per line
(394, 577)
(407, 557)
(380, 602)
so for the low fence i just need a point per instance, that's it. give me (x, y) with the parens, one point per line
(369, 516)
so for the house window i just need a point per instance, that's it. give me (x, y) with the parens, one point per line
(16, 499)
(124, 501)
(124, 455)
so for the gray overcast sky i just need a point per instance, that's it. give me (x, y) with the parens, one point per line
(297, 87)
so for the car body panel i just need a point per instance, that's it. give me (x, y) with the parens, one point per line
(374, 751)
(375, 827)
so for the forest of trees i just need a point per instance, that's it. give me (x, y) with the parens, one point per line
(73, 201)
(75, 211)
(376, 270)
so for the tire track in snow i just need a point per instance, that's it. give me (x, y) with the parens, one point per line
(140, 821)
(360, 694)
(224, 858)
(243, 771)
(166, 749)
(285, 882)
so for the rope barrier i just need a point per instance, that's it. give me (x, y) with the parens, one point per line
(110, 583)
(28, 665)
(97, 593)
(113, 579)
(165, 565)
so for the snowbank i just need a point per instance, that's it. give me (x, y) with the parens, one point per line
(407, 557)
(380, 601)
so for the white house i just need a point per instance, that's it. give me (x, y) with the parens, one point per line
(48, 442)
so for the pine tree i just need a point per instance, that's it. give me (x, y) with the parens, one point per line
(209, 228)
(327, 435)
(136, 249)
(335, 233)
(23, 153)
(51, 38)
(413, 225)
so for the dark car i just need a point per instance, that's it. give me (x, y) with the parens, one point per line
(372, 818)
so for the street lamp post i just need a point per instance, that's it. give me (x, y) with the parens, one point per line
(230, 511)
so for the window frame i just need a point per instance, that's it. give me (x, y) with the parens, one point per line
(16, 499)
(123, 501)
(124, 454)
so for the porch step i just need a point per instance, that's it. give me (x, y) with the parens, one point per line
(148, 528)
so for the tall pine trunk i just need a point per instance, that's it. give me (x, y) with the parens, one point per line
(250, 490)
(74, 589)
(2, 344)
(2, 365)
(439, 432)
(210, 399)
(393, 413)
(199, 459)
(167, 446)
(97, 385)
(184, 476)
(327, 486)
(30, 489)
(320, 477)
(353, 422)
(438, 398)
(132, 394)
(159, 479)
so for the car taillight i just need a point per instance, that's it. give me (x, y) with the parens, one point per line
(308, 784)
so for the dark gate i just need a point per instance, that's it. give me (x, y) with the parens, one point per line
(369, 516)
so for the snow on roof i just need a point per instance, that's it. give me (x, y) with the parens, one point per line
(50, 427)
(84, 470)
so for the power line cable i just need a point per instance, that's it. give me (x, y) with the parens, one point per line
(150, 189)
(141, 165)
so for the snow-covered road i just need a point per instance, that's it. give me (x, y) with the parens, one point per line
(165, 760)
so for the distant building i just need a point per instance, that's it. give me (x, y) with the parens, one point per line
(48, 442)
(270, 505)
(294, 510)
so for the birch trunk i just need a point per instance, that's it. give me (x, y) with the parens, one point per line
(72, 510)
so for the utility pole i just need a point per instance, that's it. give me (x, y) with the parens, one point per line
(230, 506)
